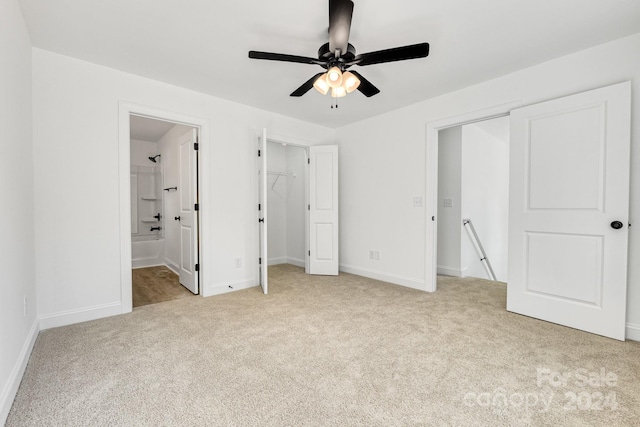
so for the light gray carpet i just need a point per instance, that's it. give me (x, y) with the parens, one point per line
(327, 351)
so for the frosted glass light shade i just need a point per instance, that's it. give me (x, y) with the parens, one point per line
(321, 84)
(334, 77)
(350, 82)
(338, 92)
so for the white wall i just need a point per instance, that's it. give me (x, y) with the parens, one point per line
(77, 182)
(17, 330)
(485, 200)
(286, 204)
(276, 204)
(142, 150)
(146, 178)
(382, 162)
(296, 205)
(449, 187)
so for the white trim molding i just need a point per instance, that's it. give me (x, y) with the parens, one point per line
(295, 261)
(218, 289)
(409, 282)
(126, 109)
(84, 314)
(431, 176)
(633, 332)
(449, 271)
(15, 377)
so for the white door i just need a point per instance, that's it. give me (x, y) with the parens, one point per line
(188, 194)
(262, 212)
(568, 213)
(323, 210)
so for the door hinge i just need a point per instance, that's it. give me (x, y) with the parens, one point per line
(309, 253)
(308, 207)
(258, 153)
(197, 267)
(196, 207)
(308, 160)
(260, 261)
(259, 207)
(195, 146)
(433, 218)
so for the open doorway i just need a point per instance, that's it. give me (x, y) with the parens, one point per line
(319, 166)
(473, 200)
(287, 203)
(164, 211)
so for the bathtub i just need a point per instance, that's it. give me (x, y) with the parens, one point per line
(146, 251)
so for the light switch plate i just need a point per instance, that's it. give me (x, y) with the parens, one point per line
(448, 203)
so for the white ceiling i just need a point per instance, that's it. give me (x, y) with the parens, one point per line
(202, 44)
(144, 129)
(498, 127)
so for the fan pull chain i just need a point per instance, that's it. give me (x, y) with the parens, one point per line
(332, 101)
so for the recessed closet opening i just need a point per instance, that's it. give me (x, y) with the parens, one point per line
(473, 200)
(286, 203)
(164, 194)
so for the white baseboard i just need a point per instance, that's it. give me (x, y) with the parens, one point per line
(15, 377)
(218, 289)
(409, 282)
(444, 270)
(172, 266)
(295, 261)
(146, 262)
(70, 317)
(278, 260)
(633, 332)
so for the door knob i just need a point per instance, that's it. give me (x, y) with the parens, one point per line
(177, 218)
(616, 224)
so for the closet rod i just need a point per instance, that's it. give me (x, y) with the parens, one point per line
(281, 173)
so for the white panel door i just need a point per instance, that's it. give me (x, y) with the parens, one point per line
(323, 210)
(569, 210)
(262, 212)
(188, 195)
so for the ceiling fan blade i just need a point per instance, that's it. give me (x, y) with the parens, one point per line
(366, 87)
(340, 13)
(284, 57)
(306, 86)
(420, 50)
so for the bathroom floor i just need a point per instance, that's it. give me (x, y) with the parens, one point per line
(156, 284)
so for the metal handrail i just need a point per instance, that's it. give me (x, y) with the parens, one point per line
(475, 240)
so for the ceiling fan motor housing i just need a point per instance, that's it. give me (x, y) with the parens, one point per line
(324, 54)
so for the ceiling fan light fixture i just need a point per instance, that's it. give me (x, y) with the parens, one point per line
(321, 84)
(334, 77)
(350, 82)
(338, 92)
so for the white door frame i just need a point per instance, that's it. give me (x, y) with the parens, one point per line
(278, 139)
(431, 175)
(125, 110)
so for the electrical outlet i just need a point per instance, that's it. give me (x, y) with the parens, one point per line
(371, 255)
(418, 202)
(238, 262)
(26, 307)
(448, 203)
(376, 255)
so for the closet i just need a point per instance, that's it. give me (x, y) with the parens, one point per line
(286, 203)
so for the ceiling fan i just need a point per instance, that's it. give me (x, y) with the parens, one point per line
(339, 55)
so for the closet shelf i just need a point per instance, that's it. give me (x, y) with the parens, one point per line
(149, 220)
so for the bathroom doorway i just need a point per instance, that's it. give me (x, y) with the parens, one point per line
(164, 210)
